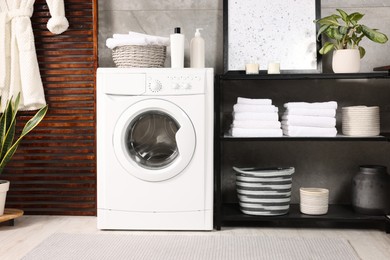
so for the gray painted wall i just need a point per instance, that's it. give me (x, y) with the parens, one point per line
(160, 17)
(336, 160)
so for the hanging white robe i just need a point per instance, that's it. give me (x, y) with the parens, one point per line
(19, 71)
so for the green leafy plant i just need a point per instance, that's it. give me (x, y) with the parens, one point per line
(346, 32)
(8, 146)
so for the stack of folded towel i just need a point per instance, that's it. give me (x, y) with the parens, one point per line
(134, 38)
(255, 118)
(310, 119)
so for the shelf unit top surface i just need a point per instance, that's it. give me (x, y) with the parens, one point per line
(240, 75)
(383, 137)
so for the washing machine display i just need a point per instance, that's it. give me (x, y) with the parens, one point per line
(151, 140)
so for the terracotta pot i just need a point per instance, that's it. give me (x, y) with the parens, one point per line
(346, 61)
(4, 187)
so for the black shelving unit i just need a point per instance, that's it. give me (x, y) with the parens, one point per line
(347, 89)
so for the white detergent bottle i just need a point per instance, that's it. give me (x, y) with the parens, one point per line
(197, 50)
(177, 49)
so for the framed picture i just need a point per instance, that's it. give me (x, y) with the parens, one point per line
(277, 31)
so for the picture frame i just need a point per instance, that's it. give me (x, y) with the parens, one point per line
(253, 34)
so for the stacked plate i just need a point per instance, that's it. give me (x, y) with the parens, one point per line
(264, 191)
(314, 201)
(360, 121)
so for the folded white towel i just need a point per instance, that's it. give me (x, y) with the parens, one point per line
(304, 131)
(255, 108)
(316, 121)
(317, 105)
(256, 124)
(242, 132)
(113, 43)
(134, 38)
(255, 116)
(254, 101)
(311, 112)
(123, 36)
(152, 39)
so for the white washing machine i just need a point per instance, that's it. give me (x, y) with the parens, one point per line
(155, 149)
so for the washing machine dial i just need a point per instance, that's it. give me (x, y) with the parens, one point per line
(175, 85)
(155, 86)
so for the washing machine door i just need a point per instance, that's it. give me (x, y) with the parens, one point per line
(154, 140)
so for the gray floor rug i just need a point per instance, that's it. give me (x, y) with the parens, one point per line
(183, 247)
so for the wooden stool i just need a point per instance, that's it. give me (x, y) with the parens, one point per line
(10, 215)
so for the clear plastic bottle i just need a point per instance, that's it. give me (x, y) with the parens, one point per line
(197, 50)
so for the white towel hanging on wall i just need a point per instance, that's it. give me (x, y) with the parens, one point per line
(19, 70)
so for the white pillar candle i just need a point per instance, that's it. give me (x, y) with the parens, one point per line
(252, 68)
(274, 68)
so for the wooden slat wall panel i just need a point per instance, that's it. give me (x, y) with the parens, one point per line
(54, 169)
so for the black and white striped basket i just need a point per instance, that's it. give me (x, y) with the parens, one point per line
(139, 56)
(264, 191)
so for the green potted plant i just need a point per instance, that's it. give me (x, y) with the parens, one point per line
(8, 143)
(345, 34)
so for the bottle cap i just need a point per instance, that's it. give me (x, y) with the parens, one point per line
(197, 33)
(177, 30)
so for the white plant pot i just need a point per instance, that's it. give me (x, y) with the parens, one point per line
(4, 187)
(346, 61)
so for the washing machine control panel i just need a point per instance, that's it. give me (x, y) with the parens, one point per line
(176, 84)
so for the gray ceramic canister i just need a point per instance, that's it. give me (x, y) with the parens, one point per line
(371, 190)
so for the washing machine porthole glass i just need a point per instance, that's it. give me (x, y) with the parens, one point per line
(150, 139)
